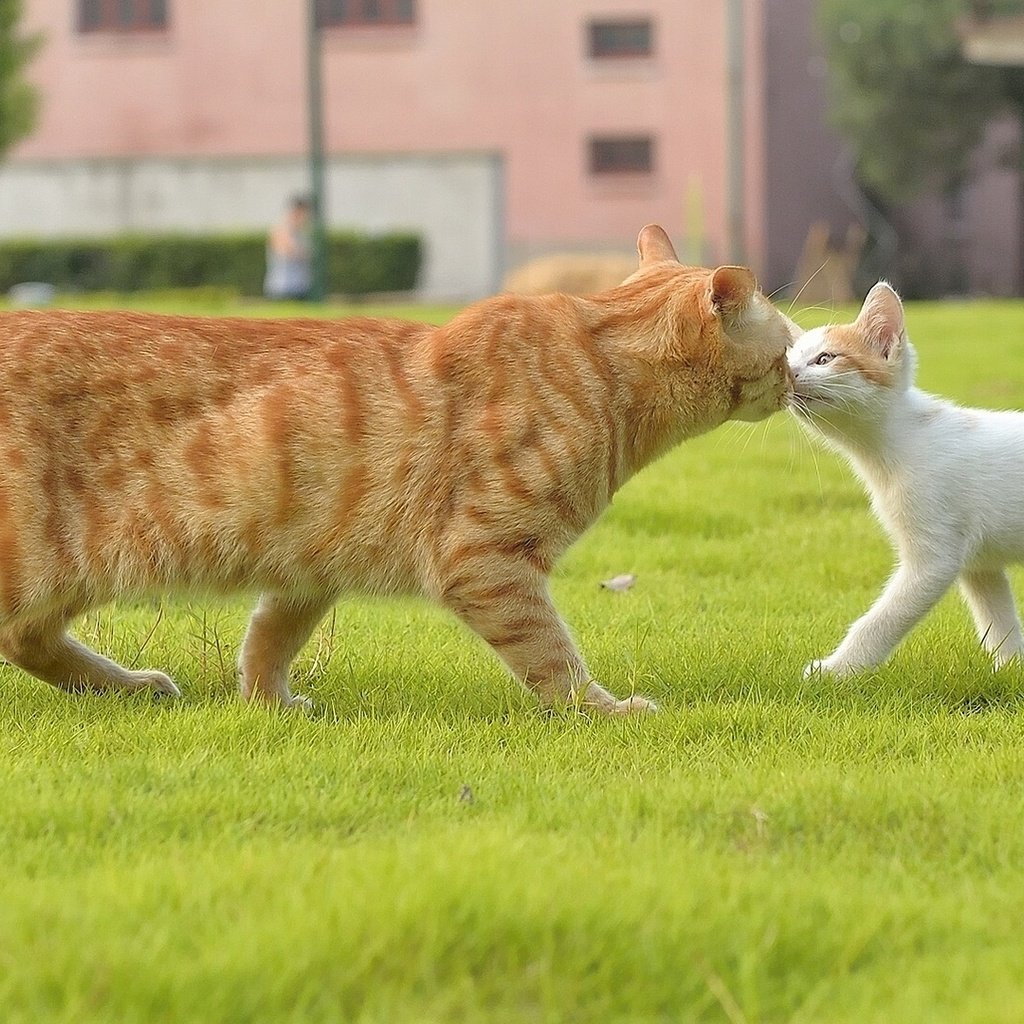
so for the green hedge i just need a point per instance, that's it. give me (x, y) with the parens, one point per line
(356, 264)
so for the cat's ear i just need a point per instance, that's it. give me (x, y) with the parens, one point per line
(880, 321)
(731, 290)
(654, 246)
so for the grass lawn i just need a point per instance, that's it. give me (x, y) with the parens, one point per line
(225, 302)
(428, 847)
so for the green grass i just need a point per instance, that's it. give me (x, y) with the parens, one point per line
(764, 850)
(225, 302)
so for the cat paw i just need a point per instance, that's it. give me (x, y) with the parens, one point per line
(828, 667)
(286, 701)
(158, 682)
(597, 698)
(277, 696)
(635, 705)
(818, 667)
(1003, 659)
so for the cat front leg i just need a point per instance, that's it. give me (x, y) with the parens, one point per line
(988, 595)
(510, 608)
(277, 631)
(913, 591)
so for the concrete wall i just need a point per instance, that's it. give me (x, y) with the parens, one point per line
(452, 201)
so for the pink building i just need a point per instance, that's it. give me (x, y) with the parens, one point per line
(499, 129)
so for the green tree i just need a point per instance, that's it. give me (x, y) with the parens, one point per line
(904, 96)
(19, 101)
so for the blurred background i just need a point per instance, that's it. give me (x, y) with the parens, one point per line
(455, 147)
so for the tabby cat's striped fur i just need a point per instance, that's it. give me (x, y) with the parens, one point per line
(304, 459)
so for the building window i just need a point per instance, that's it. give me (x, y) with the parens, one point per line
(632, 38)
(622, 154)
(122, 15)
(366, 12)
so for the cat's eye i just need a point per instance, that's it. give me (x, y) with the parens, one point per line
(823, 358)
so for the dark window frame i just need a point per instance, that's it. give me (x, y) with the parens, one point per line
(366, 13)
(610, 38)
(100, 17)
(610, 156)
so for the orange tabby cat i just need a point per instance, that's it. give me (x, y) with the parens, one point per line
(305, 459)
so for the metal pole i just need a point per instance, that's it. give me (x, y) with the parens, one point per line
(736, 173)
(314, 101)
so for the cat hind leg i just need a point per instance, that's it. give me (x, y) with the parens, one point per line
(988, 595)
(44, 649)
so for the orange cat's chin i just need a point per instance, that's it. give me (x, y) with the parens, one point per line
(757, 411)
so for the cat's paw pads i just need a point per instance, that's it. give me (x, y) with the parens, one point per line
(635, 705)
(158, 682)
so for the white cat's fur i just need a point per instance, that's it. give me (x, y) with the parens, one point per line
(946, 482)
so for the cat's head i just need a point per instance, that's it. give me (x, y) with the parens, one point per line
(845, 374)
(720, 320)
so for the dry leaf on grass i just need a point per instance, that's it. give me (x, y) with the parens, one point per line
(623, 582)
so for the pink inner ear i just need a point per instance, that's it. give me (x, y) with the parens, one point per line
(881, 319)
(885, 344)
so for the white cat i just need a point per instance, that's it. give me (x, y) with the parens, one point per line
(946, 482)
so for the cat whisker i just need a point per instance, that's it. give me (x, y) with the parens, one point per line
(819, 308)
(796, 298)
(750, 432)
(810, 447)
(744, 429)
(781, 288)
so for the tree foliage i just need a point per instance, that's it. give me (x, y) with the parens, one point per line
(903, 95)
(18, 99)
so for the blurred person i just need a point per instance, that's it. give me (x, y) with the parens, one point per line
(289, 254)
